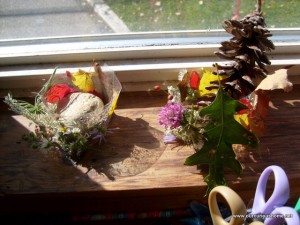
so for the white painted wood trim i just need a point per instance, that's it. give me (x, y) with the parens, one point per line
(139, 60)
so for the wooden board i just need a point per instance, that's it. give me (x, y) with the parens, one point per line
(133, 165)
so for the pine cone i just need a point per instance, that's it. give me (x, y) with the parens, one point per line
(247, 48)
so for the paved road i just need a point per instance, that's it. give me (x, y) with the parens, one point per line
(44, 18)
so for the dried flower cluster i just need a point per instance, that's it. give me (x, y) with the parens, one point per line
(71, 112)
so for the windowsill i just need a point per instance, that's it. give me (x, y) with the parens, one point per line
(135, 75)
(29, 175)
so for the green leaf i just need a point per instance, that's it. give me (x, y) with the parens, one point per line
(200, 157)
(220, 134)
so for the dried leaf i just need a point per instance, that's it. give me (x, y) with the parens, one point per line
(207, 81)
(83, 80)
(257, 115)
(243, 120)
(183, 85)
(277, 80)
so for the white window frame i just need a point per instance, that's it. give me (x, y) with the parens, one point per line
(138, 59)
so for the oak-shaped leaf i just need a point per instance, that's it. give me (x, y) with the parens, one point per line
(220, 134)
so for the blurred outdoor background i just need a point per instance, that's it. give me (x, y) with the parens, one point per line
(148, 15)
(43, 18)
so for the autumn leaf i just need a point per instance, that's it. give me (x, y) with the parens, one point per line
(183, 84)
(242, 115)
(206, 81)
(220, 134)
(83, 80)
(277, 80)
(242, 119)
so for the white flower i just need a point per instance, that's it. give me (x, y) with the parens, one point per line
(54, 138)
(174, 91)
(68, 131)
(75, 130)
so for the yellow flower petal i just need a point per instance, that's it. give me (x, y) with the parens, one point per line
(63, 129)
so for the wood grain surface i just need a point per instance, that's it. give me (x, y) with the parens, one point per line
(133, 169)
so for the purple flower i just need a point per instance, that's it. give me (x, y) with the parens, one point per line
(169, 139)
(171, 115)
(97, 135)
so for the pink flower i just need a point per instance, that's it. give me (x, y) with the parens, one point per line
(171, 115)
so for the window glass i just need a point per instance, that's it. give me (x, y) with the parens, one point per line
(43, 18)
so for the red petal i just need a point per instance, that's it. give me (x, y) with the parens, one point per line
(69, 74)
(194, 80)
(57, 92)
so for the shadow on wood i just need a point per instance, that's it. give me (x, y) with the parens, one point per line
(126, 152)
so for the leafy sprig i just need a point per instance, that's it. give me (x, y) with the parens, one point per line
(220, 133)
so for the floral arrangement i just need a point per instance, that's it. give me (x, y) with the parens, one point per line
(71, 112)
(214, 108)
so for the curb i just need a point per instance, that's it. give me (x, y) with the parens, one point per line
(108, 15)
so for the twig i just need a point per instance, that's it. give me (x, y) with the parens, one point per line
(236, 11)
(101, 91)
(258, 6)
(97, 69)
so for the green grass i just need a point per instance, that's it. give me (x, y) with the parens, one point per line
(165, 15)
